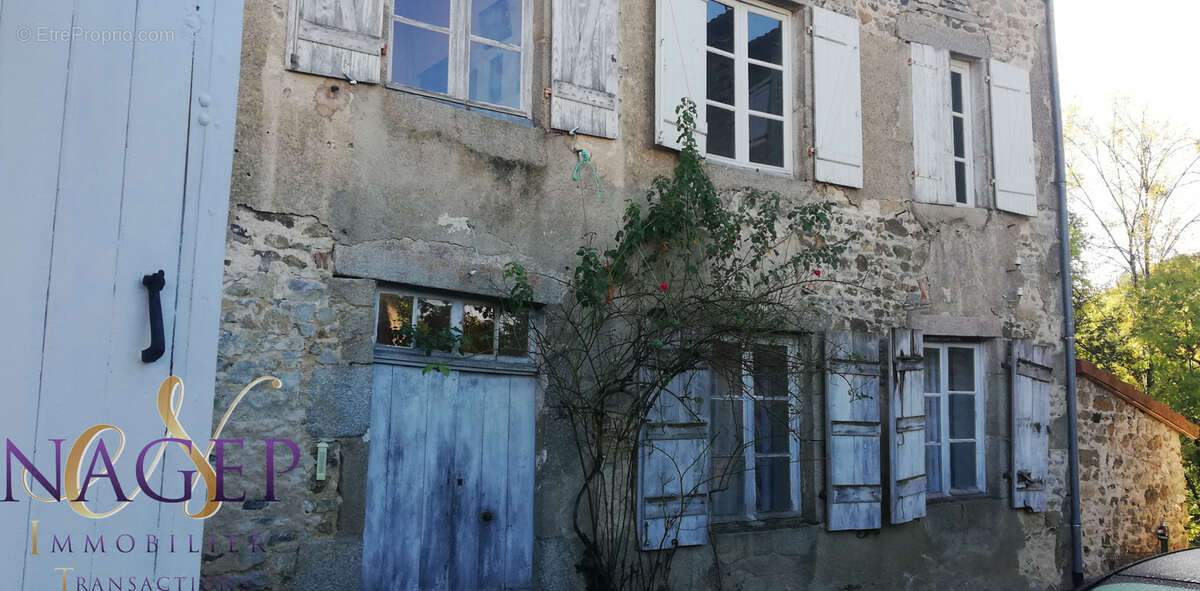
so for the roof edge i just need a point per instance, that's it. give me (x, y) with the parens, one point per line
(1129, 393)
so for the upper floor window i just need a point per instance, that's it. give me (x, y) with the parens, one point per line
(960, 119)
(747, 94)
(954, 413)
(470, 51)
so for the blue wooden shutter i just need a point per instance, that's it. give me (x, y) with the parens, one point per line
(933, 154)
(341, 39)
(853, 487)
(837, 99)
(673, 465)
(906, 425)
(1012, 139)
(583, 65)
(1030, 373)
(680, 68)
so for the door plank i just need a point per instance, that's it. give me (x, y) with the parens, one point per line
(375, 552)
(33, 112)
(406, 487)
(493, 479)
(437, 534)
(467, 412)
(519, 535)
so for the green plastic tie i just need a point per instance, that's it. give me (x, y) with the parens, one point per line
(585, 158)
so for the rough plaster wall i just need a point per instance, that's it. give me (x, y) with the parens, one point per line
(338, 187)
(1131, 480)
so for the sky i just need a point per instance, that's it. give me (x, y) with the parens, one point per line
(1147, 50)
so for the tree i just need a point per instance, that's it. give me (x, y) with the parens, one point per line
(1127, 173)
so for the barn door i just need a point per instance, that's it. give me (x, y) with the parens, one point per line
(116, 150)
(450, 481)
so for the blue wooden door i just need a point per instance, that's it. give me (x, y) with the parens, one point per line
(450, 491)
(115, 150)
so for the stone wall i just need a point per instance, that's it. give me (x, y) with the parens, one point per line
(1130, 477)
(339, 189)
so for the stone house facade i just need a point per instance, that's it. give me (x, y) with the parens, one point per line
(379, 166)
(1130, 475)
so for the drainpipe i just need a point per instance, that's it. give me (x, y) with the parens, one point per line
(1064, 243)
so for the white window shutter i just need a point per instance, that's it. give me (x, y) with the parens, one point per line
(933, 151)
(680, 68)
(1012, 139)
(673, 465)
(1030, 373)
(837, 99)
(853, 491)
(339, 38)
(906, 424)
(583, 66)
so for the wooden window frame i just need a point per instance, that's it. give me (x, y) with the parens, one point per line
(963, 69)
(459, 56)
(980, 438)
(747, 476)
(400, 353)
(741, 87)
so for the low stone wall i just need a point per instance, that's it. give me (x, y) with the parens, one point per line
(1130, 477)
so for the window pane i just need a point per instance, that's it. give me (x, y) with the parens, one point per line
(933, 370)
(765, 38)
(420, 58)
(772, 480)
(960, 182)
(499, 20)
(960, 140)
(479, 328)
(727, 427)
(495, 75)
(956, 92)
(962, 369)
(720, 132)
(720, 78)
(766, 141)
(434, 12)
(729, 473)
(771, 426)
(770, 371)
(766, 90)
(933, 419)
(395, 315)
(720, 26)
(962, 465)
(962, 416)
(514, 334)
(433, 320)
(933, 468)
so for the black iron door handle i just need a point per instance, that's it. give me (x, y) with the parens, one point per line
(158, 342)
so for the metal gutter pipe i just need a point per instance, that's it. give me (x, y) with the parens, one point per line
(1064, 248)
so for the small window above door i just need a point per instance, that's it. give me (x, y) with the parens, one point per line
(432, 324)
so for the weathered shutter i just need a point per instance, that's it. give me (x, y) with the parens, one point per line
(1030, 374)
(583, 66)
(680, 72)
(853, 488)
(336, 38)
(1012, 139)
(906, 424)
(673, 467)
(933, 155)
(837, 99)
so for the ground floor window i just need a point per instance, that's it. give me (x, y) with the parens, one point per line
(754, 451)
(954, 414)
